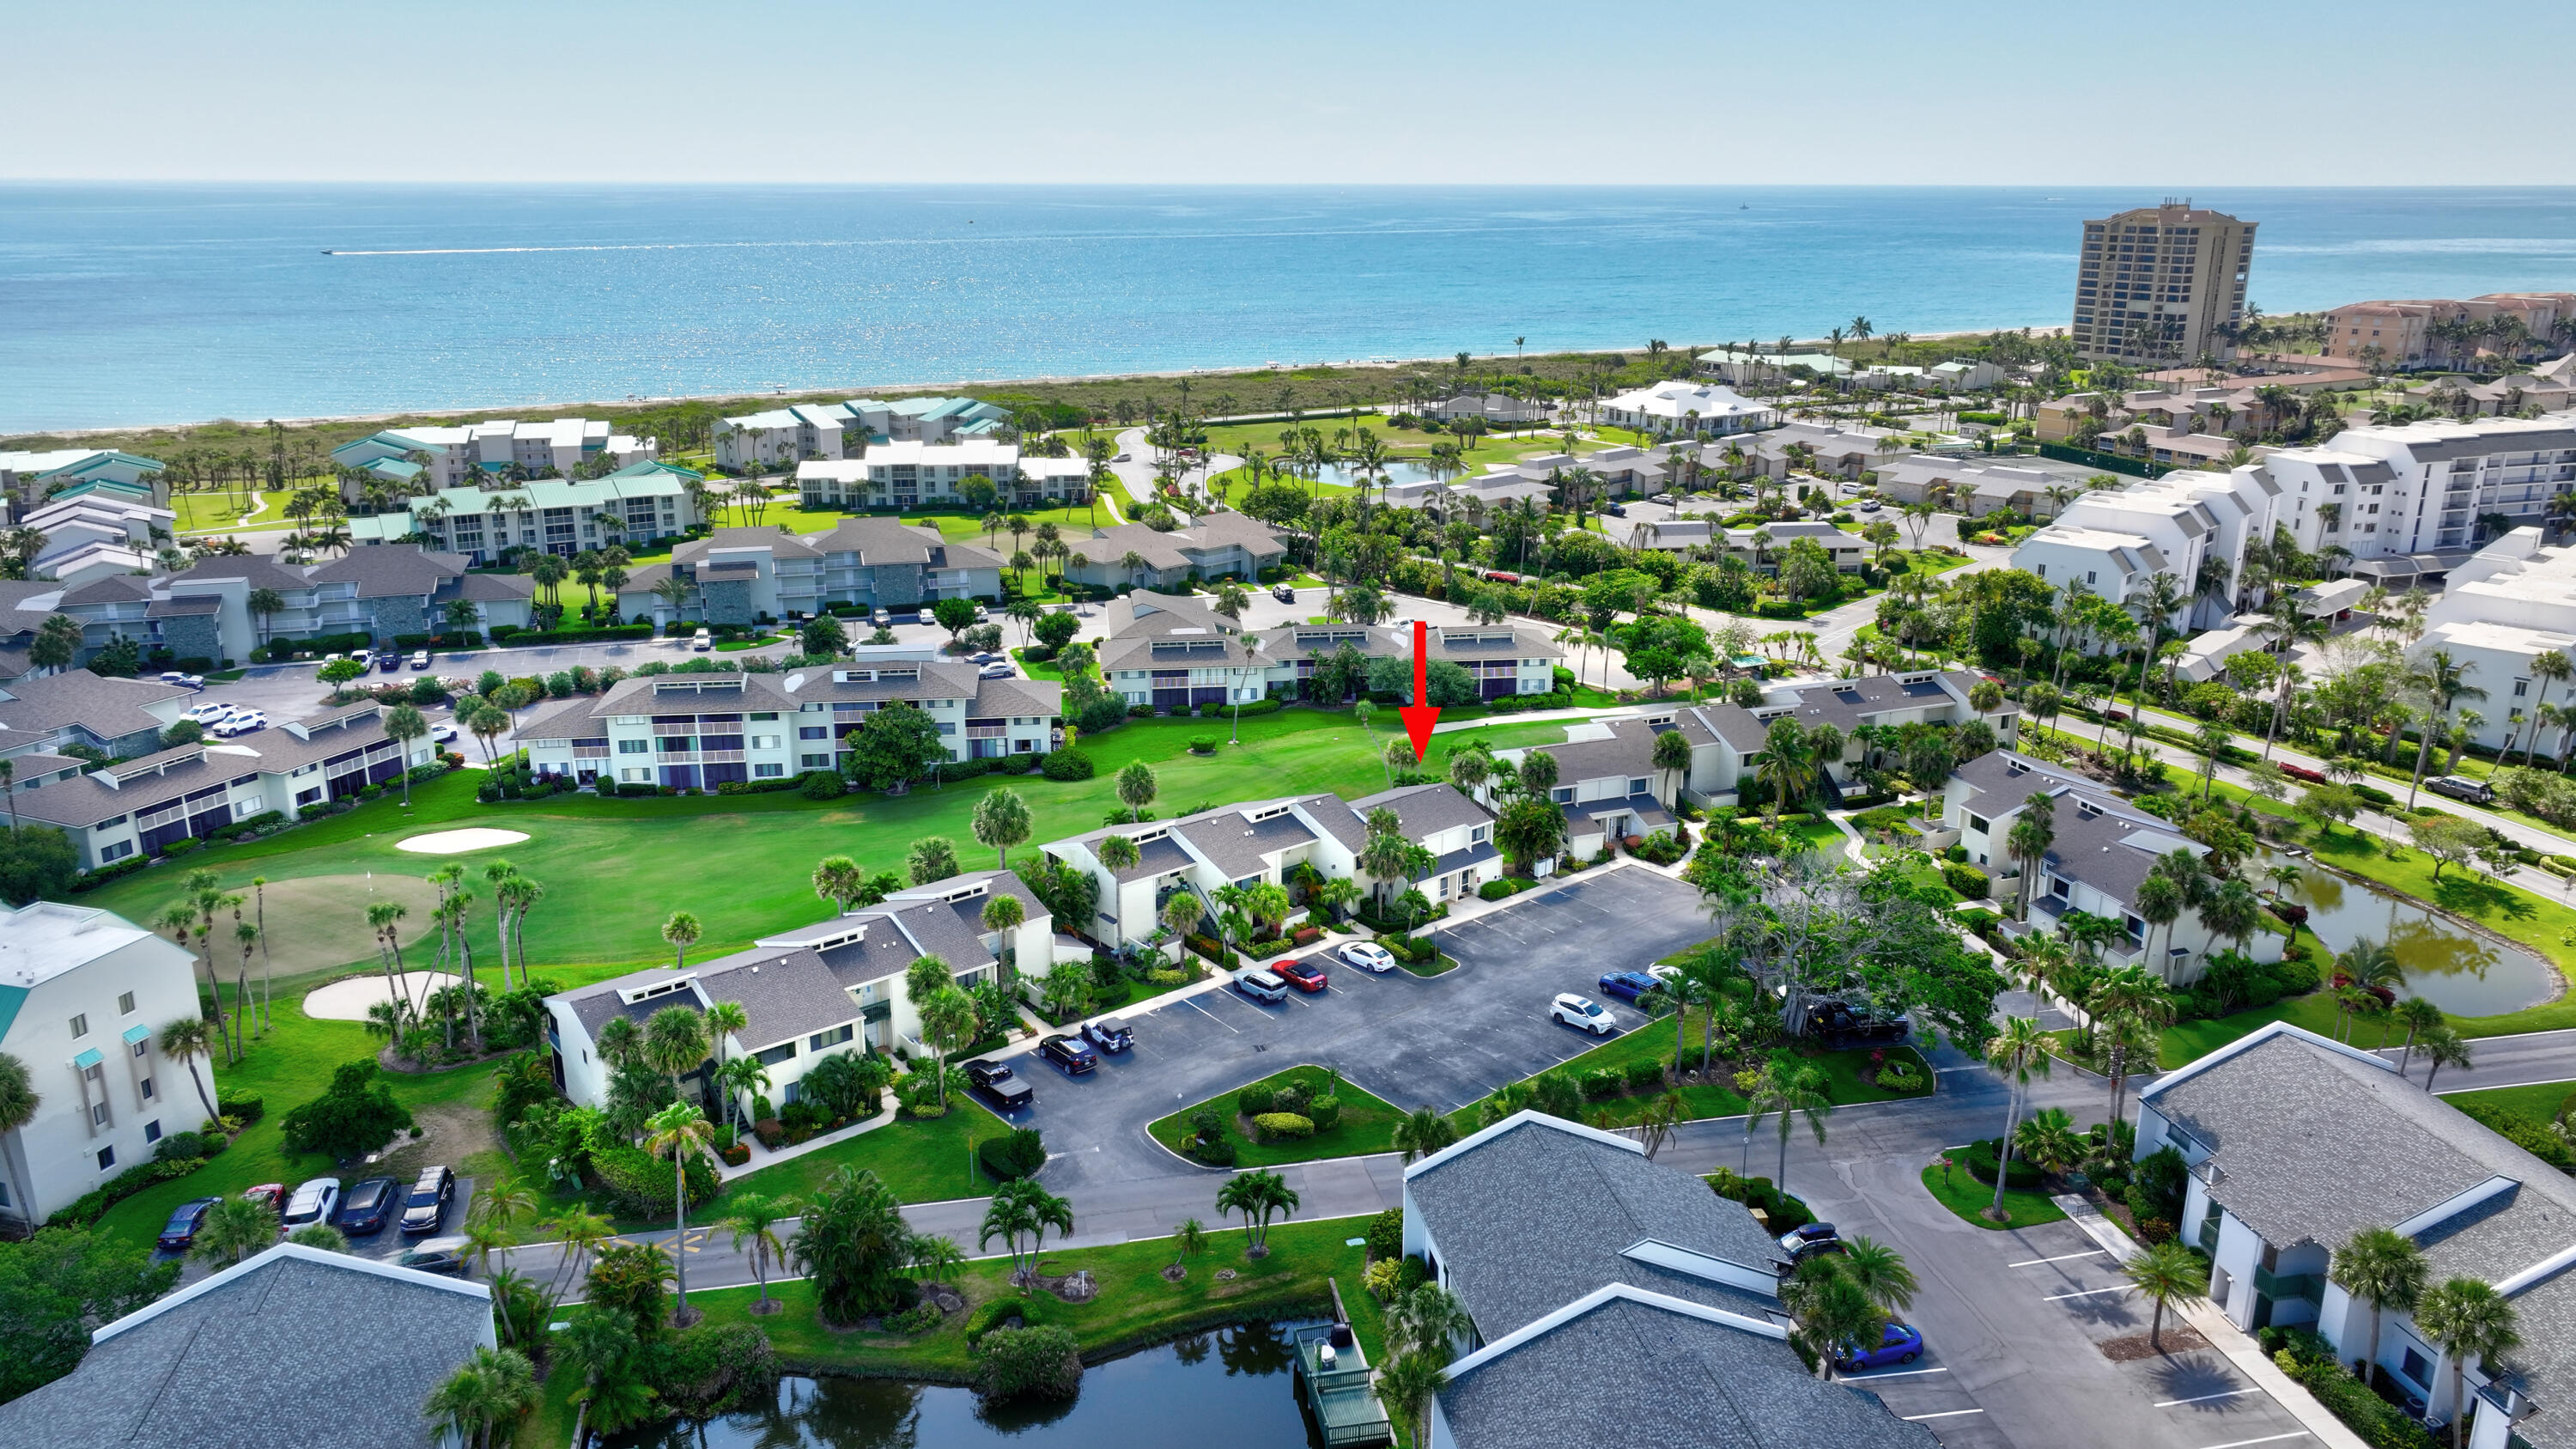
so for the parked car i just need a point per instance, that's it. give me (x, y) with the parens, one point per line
(369, 1206)
(984, 657)
(240, 722)
(996, 671)
(1841, 1021)
(437, 1255)
(999, 1086)
(1306, 976)
(314, 1201)
(1664, 498)
(1628, 985)
(1260, 985)
(1899, 1343)
(180, 1233)
(702, 641)
(329, 659)
(443, 732)
(1369, 956)
(389, 660)
(1109, 1036)
(2302, 772)
(1069, 1054)
(1582, 1012)
(184, 681)
(1283, 593)
(1615, 510)
(1815, 1248)
(2461, 787)
(1872, 506)
(420, 659)
(880, 618)
(425, 1211)
(1665, 975)
(270, 1195)
(207, 714)
(1798, 1237)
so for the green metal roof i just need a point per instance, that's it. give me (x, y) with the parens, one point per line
(88, 1059)
(137, 1032)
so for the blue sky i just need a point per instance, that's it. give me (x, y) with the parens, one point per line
(2137, 95)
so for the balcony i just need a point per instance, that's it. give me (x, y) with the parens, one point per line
(2281, 1287)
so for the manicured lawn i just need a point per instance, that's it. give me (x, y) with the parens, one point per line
(1367, 1124)
(218, 512)
(1041, 669)
(1961, 1193)
(928, 1161)
(2540, 1101)
(742, 862)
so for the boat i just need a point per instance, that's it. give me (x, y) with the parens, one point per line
(326, 251)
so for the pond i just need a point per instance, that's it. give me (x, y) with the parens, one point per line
(2462, 973)
(1230, 1387)
(1339, 476)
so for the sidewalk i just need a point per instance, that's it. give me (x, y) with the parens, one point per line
(2223, 1335)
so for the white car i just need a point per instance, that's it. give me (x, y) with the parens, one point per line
(1369, 956)
(241, 722)
(702, 641)
(1583, 1012)
(1665, 974)
(208, 714)
(420, 659)
(443, 732)
(313, 1202)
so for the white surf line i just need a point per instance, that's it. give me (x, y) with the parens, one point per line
(1962, 1413)
(2087, 1293)
(2205, 1398)
(2060, 1258)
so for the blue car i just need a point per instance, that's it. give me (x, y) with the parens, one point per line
(1628, 985)
(1900, 1344)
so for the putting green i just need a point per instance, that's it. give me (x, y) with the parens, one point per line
(316, 922)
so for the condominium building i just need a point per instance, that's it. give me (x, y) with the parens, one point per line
(1211, 546)
(422, 459)
(2406, 500)
(28, 479)
(929, 474)
(2502, 608)
(392, 593)
(2432, 332)
(2190, 525)
(2162, 284)
(633, 506)
(1689, 409)
(740, 574)
(804, 431)
(1174, 652)
(83, 997)
(700, 731)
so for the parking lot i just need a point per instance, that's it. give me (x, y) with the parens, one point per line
(1445, 1040)
(387, 1242)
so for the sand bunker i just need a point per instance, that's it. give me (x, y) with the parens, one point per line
(457, 842)
(348, 1000)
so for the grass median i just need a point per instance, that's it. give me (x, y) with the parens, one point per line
(1366, 1125)
(1957, 1189)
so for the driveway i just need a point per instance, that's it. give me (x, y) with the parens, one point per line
(1445, 1040)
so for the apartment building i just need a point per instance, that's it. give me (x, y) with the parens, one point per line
(422, 459)
(2405, 500)
(833, 988)
(2272, 1126)
(635, 505)
(1263, 842)
(1210, 546)
(391, 592)
(1494, 407)
(806, 431)
(743, 574)
(1616, 1262)
(2190, 525)
(98, 530)
(1674, 407)
(83, 997)
(28, 479)
(2159, 284)
(2502, 608)
(2102, 852)
(1727, 740)
(42, 715)
(1831, 449)
(2434, 332)
(1606, 783)
(901, 475)
(1173, 651)
(1977, 486)
(699, 731)
(141, 805)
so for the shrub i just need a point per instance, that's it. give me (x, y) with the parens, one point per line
(1016, 1155)
(249, 1107)
(1645, 1076)
(1204, 744)
(181, 1145)
(1602, 1085)
(990, 1316)
(356, 1115)
(638, 1184)
(1282, 1127)
(1067, 764)
(1325, 1113)
(1040, 1363)
(1956, 854)
(2381, 1424)
(1291, 1097)
(1381, 1278)
(771, 1132)
(1495, 890)
(1980, 1161)
(1254, 1100)
(1386, 1235)
(1214, 1151)
(1967, 880)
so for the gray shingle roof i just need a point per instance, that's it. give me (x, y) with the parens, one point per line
(291, 1350)
(388, 571)
(1426, 810)
(995, 698)
(783, 997)
(107, 708)
(1235, 846)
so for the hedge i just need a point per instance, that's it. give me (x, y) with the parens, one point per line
(2315, 1366)
(88, 1208)
(1967, 880)
(639, 1184)
(2023, 1176)
(1067, 764)
(1282, 1126)
(247, 1107)
(516, 638)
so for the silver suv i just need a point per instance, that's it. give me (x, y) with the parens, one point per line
(1260, 985)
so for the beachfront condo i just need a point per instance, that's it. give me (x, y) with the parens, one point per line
(2162, 284)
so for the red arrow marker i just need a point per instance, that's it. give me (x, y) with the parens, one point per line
(1420, 715)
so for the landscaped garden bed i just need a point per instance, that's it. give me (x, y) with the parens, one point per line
(1228, 1131)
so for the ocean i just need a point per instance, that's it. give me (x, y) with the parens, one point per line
(128, 304)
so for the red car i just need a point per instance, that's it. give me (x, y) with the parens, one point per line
(2302, 772)
(1304, 975)
(270, 1195)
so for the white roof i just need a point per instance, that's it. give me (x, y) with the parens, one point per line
(44, 939)
(1675, 398)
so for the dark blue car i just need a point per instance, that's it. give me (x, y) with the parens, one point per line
(1900, 1344)
(180, 1233)
(1628, 985)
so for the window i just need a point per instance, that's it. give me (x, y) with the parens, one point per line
(821, 1039)
(767, 742)
(633, 747)
(1637, 786)
(768, 772)
(106, 1158)
(636, 777)
(2414, 1367)
(784, 1051)
(813, 732)
(80, 1025)
(152, 1130)
(119, 851)
(1562, 794)
(147, 1089)
(814, 762)
(125, 1003)
(142, 1047)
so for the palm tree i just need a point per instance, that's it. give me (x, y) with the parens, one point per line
(2549, 668)
(1189, 1239)
(19, 1100)
(2033, 831)
(186, 1039)
(2418, 1016)
(2382, 1268)
(1258, 1196)
(1880, 1272)
(2166, 1273)
(1422, 1132)
(2016, 1051)
(234, 1228)
(680, 1132)
(2469, 1319)
(753, 1222)
(2127, 1003)
(1409, 1386)
(1833, 1314)
(2160, 900)
(724, 1018)
(405, 724)
(2154, 605)
(497, 1386)
(1023, 1207)
(2442, 682)
(2443, 1047)
(681, 932)
(675, 1041)
(1792, 1093)
(936, 1258)
(948, 1019)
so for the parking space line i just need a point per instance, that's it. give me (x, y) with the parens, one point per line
(2205, 1398)
(2087, 1293)
(2266, 1439)
(1212, 1016)
(2060, 1258)
(1962, 1413)
(1899, 1374)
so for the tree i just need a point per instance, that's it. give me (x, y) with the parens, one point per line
(1880, 1271)
(1530, 828)
(185, 1039)
(57, 642)
(954, 615)
(838, 879)
(681, 931)
(2382, 1268)
(2018, 1050)
(19, 1100)
(2469, 1319)
(1136, 787)
(948, 1018)
(37, 862)
(2441, 682)
(354, 1116)
(1001, 820)
(497, 1386)
(1791, 1092)
(854, 1243)
(1002, 915)
(1833, 1314)
(1258, 1196)
(893, 746)
(825, 636)
(931, 858)
(2443, 1047)
(405, 724)
(2449, 839)
(2033, 831)
(58, 1286)
(1023, 1208)
(753, 1221)
(234, 1228)
(2166, 1273)
(1422, 1132)
(1409, 1386)
(1672, 755)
